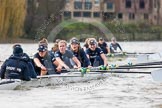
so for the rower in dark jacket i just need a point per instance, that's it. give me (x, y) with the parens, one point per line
(27, 59)
(79, 52)
(95, 54)
(103, 45)
(16, 67)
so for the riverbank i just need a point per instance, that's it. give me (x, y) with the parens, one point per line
(120, 37)
(17, 40)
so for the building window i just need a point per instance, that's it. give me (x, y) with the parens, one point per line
(142, 4)
(67, 15)
(86, 14)
(128, 4)
(77, 14)
(146, 16)
(88, 5)
(96, 14)
(109, 15)
(109, 5)
(120, 16)
(97, 1)
(131, 16)
(77, 5)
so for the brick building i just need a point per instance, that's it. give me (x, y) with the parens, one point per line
(124, 10)
(83, 10)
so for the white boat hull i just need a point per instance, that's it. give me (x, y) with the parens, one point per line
(9, 84)
(53, 80)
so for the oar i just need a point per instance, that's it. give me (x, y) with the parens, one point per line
(142, 64)
(119, 71)
(108, 68)
(135, 67)
(138, 53)
(149, 57)
(156, 74)
(152, 62)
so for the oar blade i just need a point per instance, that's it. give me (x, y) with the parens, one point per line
(142, 58)
(157, 75)
(154, 56)
(147, 58)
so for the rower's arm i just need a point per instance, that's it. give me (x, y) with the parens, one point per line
(61, 63)
(39, 64)
(76, 61)
(104, 59)
(119, 47)
(108, 49)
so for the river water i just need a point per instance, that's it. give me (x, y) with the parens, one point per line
(117, 91)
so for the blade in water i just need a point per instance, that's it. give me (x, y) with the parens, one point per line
(157, 75)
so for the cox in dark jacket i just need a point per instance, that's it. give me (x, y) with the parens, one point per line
(15, 67)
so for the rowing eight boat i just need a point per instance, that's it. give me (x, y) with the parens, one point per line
(47, 80)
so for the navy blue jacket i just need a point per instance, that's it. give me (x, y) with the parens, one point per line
(103, 47)
(82, 57)
(15, 68)
(95, 55)
(47, 61)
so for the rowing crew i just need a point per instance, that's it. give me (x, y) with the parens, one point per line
(20, 66)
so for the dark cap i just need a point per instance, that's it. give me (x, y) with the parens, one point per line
(16, 45)
(75, 41)
(92, 42)
(42, 48)
(17, 50)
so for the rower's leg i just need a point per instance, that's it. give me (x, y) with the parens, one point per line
(98, 61)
